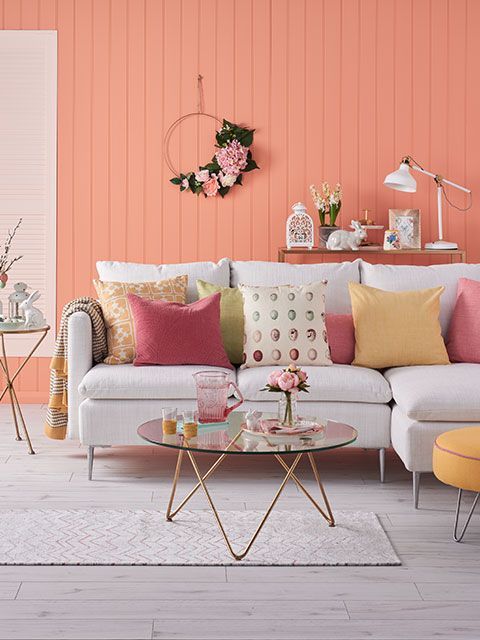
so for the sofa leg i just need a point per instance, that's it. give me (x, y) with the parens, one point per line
(416, 488)
(381, 459)
(90, 455)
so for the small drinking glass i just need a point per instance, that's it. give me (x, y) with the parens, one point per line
(169, 423)
(190, 424)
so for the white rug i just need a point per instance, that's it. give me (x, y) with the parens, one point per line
(143, 537)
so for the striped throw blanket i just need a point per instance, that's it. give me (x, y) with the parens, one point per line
(57, 413)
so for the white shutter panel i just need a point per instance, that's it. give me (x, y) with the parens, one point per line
(28, 146)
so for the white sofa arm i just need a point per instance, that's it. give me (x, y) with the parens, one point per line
(80, 360)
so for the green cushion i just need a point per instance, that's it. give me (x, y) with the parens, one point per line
(231, 317)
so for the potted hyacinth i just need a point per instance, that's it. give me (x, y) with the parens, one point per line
(328, 203)
(288, 381)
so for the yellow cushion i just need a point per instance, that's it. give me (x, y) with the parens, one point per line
(396, 329)
(118, 315)
(456, 458)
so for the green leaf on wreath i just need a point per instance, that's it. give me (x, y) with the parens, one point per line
(245, 138)
(251, 165)
(223, 191)
(176, 181)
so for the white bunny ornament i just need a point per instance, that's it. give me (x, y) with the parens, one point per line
(347, 240)
(34, 318)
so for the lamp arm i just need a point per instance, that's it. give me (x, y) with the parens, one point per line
(439, 178)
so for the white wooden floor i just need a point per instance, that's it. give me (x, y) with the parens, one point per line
(435, 594)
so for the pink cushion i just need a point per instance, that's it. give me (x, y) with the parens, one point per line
(341, 338)
(174, 333)
(463, 339)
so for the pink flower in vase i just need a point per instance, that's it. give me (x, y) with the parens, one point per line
(302, 376)
(288, 381)
(210, 187)
(273, 377)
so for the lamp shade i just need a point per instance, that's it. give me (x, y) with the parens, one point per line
(401, 179)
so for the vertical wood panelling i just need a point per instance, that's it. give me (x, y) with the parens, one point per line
(135, 130)
(472, 128)
(224, 108)
(207, 52)
(154, 119)
(171, 37)
(336, 89)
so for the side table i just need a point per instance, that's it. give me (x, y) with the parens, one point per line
(10, 379)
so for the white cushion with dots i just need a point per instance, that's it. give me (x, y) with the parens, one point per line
(285, 324)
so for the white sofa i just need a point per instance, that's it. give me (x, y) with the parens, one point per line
(406, 406)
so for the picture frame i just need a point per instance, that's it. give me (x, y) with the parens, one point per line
(408, 224)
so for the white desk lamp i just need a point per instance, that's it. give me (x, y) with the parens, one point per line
(402, 180)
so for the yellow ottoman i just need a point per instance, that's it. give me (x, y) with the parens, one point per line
(456, 461)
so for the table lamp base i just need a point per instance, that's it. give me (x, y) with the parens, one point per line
(441, 244)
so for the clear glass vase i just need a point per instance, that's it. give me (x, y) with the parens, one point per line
(287, 409)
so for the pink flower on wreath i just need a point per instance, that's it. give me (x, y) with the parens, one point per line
(288, 381)
(227, 179)
(210, 187)
(185, 184)
(232, 158)
(202, 176)
(273, 377)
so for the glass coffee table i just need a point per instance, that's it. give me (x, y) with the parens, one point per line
(229, 438)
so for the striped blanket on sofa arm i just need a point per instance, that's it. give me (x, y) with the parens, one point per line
(57, 412)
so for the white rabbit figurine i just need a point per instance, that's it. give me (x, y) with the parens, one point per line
(34, 318)
(341, 239)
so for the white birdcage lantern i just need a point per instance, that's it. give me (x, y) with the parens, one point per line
(299, 227)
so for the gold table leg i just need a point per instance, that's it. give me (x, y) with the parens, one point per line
(290, 475)
(329, 515)
(10, 379)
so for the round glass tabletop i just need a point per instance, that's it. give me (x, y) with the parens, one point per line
(229, 437)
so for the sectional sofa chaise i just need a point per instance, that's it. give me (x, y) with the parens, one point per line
(406, 407)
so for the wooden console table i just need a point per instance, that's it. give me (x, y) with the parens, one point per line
(454, 255)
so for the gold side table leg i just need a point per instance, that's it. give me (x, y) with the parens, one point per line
(17, 413)
(10, 387)
(22, 419)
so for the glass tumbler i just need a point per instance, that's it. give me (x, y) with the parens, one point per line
(169, 423)
(190, 424)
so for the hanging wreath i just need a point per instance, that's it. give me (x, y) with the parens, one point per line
(227, 166)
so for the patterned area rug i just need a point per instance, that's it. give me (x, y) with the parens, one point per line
(143, 537)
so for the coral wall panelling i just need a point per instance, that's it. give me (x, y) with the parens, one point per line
(336, 89)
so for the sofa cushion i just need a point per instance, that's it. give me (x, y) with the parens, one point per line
(231, 317)
(406, 277)
(397, 328)
(215, 272)
(463, 340)
(342, 383)
(272, 274)
(285, 324)
(127, 382)
(117, 311)
(443, 392)
(168, 333)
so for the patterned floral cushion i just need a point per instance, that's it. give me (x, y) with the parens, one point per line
(118, 315)
(285, 324)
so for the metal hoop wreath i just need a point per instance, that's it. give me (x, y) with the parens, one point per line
(171, 129)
